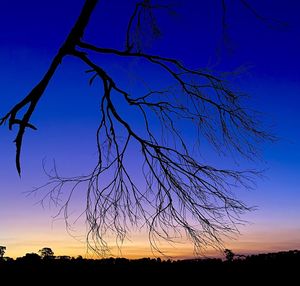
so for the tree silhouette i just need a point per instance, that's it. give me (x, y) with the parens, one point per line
(46, 253)
(2, 251)
(229, 254)
(182, 195)
(31, 257)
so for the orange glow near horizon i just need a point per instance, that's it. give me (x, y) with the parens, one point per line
(63, 244)
(33, 228)
(258, 61)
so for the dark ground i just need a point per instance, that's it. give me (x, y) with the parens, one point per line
(282, 268)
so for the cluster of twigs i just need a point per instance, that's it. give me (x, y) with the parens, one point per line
(182, 196)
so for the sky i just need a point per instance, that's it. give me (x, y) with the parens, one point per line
(267, 52)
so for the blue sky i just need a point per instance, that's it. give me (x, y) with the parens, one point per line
(31, 33)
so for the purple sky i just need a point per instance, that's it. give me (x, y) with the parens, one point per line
(31, 33)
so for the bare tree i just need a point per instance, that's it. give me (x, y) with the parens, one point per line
(182, 196)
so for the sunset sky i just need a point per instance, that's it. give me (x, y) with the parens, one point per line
(266, 52)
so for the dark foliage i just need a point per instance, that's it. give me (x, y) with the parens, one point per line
(281, 266)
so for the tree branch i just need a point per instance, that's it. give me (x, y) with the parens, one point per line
(182, 195)
(32, 99)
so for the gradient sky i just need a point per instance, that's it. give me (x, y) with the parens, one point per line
(32, 31)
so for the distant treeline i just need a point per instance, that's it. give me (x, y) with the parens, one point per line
(236, 270)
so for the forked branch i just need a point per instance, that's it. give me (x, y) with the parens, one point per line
(181, 196)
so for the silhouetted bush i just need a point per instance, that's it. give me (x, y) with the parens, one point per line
(251, 269)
